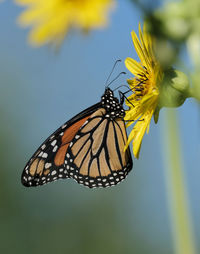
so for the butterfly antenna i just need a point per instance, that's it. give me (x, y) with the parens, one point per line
(117, 61)
(122, 86)
(116, 78)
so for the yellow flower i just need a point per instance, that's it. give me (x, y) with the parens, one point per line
(52, 19)
(145, 87)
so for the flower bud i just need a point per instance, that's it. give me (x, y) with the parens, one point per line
(173, 89)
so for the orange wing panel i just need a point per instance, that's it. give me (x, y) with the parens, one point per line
(69, 134)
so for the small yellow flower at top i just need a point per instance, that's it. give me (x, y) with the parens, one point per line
(52, 19)
(145, 87)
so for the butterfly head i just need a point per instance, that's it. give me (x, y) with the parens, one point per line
(113, 107)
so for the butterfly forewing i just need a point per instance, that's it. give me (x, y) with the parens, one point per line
(47, 163)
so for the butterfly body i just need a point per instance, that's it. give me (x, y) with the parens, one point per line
(88, 148)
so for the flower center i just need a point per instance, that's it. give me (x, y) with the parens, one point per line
(142, 86)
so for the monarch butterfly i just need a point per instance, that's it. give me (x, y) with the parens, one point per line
(88, 148)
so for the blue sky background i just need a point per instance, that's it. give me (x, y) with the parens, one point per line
(40, 90)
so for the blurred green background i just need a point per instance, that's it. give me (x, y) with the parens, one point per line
(40, 90)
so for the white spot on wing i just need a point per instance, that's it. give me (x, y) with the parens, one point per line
(53, 173)
(47, 165)
(44, 155)
(51, 137)
(54, 142)
(55, 149)
(40, 154)
(43, 146)
(64, 126)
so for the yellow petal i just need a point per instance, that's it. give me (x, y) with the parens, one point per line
(51, 19)
(133, 66)
(32, 16)
(145, 49)
(139, 50)
(138, 132)
(148, 42)
(25, 2)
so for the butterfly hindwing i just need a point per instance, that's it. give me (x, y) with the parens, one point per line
(97, 152)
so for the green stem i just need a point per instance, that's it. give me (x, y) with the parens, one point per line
(176, 187)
